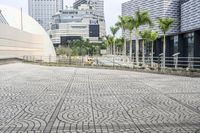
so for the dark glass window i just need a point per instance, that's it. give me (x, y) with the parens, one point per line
(176, 44)
(190, 44)
(94, 30)
(189, 40)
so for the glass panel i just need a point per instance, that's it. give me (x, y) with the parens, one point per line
(175, 44)
(190, 43)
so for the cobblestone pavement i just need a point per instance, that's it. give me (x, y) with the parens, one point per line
(72, 100)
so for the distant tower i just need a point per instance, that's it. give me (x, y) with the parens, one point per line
(43, 10)
(97, 5)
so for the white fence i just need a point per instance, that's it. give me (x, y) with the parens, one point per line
(119, 61)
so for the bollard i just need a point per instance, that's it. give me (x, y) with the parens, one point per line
(176, 60)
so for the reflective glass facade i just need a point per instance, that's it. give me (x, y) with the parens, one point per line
(43, 10)
(184, 35)
(2, 19)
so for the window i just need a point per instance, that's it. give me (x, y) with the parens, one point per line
(175, 44)
(189, 40)
(190, 44)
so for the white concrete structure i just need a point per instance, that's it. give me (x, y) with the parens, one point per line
(21, 35)
(72, 24)
(43, 10)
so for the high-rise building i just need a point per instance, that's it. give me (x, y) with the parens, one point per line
(184, 36)
(156, 8)
(97, 5)
(72, 24)
(2, 19)
(43, 10)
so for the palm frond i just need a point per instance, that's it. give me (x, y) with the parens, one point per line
(165, 23)
(142, 18)
(154, 35)
(114, 30)
(145, 34)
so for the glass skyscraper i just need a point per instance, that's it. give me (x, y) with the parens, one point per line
(43, 10)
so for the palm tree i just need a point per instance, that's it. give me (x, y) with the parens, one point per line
(165, 24)
(109, 41)
(122, 23)
(141, 18)
(130, 27)
(154, 36)
(114, 30)
(119, 44)
(145, 35)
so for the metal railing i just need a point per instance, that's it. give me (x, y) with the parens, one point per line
(118, 61)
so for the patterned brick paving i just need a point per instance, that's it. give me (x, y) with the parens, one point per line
(72, 100)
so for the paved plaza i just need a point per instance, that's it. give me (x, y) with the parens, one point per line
(76, 100)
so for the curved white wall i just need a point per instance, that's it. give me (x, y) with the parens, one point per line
(14, 42)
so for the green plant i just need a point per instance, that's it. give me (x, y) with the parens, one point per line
(114, 30)
(145, 35)
(108, 42)
(122, 23)
(64, 51)
(119, 44)
(154, 36)
(141, 18)
(165, 24)
(130, 27)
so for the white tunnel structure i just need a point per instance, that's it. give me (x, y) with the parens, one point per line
(21, 35)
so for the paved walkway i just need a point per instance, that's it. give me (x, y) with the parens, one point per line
(50, 99)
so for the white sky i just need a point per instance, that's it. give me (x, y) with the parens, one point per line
(112, 8)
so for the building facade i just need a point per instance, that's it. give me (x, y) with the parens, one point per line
(156, 8)
(2, 19)
(96, 5)
(184, 35)
(16, 42)
(72, 24)
(43, 10)
(190, 15)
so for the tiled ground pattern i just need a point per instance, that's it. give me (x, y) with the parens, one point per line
(72, 100)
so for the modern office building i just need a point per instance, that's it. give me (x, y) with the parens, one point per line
(2, 19)
(43, 10)
(184, 35)
(72, 24)
(97, 5)
(21, 35)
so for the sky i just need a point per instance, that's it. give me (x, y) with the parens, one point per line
(112, 9)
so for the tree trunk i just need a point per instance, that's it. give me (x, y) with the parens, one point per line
(117, 50)
(164, 50)
(131, 47)
(143, 62)
(152, 47)
(137, 48)
(111, 49)
(114, 52)
(124, 44)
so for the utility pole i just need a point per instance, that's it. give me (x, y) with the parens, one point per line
(21, 19)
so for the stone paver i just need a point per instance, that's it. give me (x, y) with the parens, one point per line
(72, 100)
